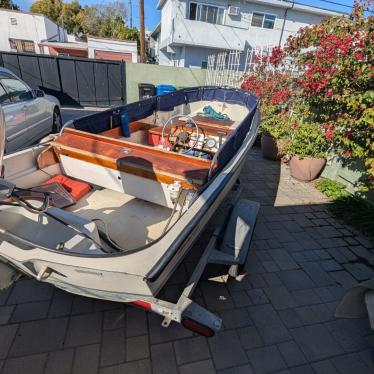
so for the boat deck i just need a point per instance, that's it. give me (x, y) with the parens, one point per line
(131, 222)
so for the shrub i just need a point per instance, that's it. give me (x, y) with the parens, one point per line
(332, 189)
(273, 85)
(334, 91)
(336, 60)
(307, 140)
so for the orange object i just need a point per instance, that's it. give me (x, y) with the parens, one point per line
(76, 189)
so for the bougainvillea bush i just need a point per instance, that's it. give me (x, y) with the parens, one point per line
(334, 90)
(273, 85)
(336, 59)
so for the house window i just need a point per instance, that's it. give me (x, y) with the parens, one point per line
(22, 45)
(13, 21)
(193, 11)
(204, 64)
(266, 21)
(206, 13)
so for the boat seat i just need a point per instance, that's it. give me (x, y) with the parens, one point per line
(135, 159)
(37, 228)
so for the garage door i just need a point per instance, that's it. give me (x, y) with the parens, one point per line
(116, 56)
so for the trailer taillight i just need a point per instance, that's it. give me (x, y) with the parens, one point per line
(194, 326)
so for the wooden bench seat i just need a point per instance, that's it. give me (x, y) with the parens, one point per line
(144, 161)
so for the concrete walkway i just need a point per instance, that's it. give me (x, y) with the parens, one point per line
(278, 317)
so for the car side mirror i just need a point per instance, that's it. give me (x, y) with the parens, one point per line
(39, 93)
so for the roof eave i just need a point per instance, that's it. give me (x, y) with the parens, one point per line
(156, 31)
(160, 4)
(297, 6)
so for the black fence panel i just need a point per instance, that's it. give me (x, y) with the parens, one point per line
(114, 83)
(86, 82)
(69, 82)
(101, 85)
(30, 71)
(10, 61)
(74, 81)
(50, 76)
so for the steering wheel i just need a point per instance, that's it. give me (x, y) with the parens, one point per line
(181, 134)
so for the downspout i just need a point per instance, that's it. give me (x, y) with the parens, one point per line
(284, 22)
(171, 40)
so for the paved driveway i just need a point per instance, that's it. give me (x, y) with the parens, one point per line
(278, 317)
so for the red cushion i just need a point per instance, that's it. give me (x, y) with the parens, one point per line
(76, 189)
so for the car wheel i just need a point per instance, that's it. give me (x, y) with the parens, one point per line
(57, 121)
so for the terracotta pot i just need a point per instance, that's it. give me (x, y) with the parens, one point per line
(306, 169)
(272, 149)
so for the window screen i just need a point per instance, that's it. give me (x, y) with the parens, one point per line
(269, 21)
(257, 19)
(203, 13)
(206, 13)
(22, 45)
(220, 14)
(28, 46)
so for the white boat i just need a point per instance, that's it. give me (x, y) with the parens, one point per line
(157, 171)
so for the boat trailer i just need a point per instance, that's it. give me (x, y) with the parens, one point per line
(235, 230)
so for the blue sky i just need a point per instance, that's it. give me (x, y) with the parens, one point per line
(152, 15)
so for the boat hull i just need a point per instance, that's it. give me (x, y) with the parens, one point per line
(127, 277)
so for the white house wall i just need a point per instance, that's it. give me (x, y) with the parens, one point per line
(178, 33)
(36, 28)
(194, 56)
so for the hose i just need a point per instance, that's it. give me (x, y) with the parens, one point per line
(173, 212)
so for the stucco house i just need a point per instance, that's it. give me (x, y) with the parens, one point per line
(36, 33)
(24, 31)
(190, 30)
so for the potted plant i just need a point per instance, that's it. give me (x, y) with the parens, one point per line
(334, 61)
(307, 148)
(274, 135)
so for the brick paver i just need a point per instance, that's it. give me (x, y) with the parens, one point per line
(277, 318)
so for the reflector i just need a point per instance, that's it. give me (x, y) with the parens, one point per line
(197, 327)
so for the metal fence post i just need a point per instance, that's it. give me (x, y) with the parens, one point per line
(123, 81)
